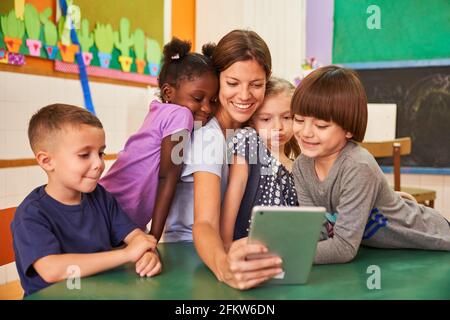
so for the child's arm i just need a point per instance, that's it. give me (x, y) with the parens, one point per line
(359, 188)
(169, 173)
(237, 182)
(56, 267)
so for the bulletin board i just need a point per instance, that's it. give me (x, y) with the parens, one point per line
(410, 31)
(139, 69)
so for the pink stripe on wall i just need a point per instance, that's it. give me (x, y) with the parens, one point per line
(107, 73)
(319, 30)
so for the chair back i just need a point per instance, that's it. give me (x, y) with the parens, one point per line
(6, 240)
(391, 148)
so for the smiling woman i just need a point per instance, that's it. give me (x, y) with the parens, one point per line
(244, 64)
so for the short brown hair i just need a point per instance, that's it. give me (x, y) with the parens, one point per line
(335, 94)
(50, 119)
(242, 45)
(276, 86)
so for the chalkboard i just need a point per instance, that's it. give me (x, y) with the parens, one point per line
(408, 30)
(422, 96)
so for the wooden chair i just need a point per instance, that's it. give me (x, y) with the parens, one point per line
(11, 290)
(397, 148)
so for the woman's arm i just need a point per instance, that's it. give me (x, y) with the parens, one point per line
(232, 267)
(237, 182)
(169, 174)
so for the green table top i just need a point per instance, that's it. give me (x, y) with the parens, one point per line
(405, 274)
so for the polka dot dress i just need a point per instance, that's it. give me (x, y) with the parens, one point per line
(273, 183)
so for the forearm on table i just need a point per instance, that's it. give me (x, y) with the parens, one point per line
(54, 268)
(335, 250)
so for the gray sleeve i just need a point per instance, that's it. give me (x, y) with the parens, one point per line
(359, 188)
(303, 195)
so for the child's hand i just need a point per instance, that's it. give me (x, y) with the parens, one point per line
(138, 245)
(149, 264)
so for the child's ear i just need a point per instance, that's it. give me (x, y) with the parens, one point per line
(348, 135)
(167, 92)
(44, 159)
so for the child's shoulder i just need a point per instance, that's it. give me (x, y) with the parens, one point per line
(353, 154)
(167, 108)
(356, 159)
(30, 206)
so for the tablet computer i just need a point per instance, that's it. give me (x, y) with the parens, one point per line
(291, 233)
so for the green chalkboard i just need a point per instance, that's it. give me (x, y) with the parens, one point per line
(409, 30)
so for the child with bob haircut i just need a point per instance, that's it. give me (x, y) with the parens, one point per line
(333, 171)
(72, 222)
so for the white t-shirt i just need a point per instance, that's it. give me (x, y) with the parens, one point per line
(206, 153)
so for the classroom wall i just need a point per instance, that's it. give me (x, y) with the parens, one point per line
(122, 108)
(280, 23)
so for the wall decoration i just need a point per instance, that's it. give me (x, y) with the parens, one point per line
(33, 28)
(50, 34)
(13, 31)
(111, 46)
(123, 42)
(86, 40)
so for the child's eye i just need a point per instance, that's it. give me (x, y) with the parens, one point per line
(84, 155)
(322, 126)
(101, 154)
(198, 99)
(287, 118)
(257, 85)
(232, 84)
(299, 120)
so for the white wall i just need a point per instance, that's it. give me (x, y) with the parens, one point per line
(280, 23)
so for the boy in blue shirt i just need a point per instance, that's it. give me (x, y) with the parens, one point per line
(73, 221)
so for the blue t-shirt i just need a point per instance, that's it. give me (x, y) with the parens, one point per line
(43, 226)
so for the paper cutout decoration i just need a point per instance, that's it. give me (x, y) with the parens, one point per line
(104, 40)
(19, 7)
(33, 28)
(16, 59)
(3, 56)
(86, 40)
(153, 57)
(107, 73)
(112, 47)
(13, 30)
(72, 17)
(124, 43)
(139, 50)
(66, 48)
(50, 33)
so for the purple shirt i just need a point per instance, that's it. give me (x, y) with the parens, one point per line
(133, 178)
